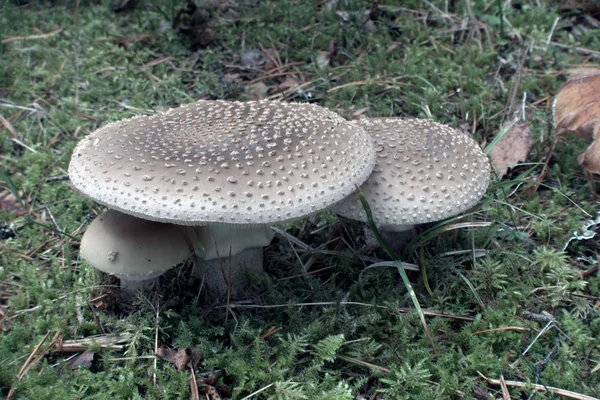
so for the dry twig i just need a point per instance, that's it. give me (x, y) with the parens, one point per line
(538, 388)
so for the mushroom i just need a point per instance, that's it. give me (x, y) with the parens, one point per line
(135, 250)
(224, 165)
(425, 172)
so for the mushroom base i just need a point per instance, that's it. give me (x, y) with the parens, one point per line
(225, 277)
(130, 286)
(395, 239)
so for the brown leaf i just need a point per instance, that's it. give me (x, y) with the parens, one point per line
(591, 7)
(231, 78)
(577, 110)
(577, 103)
(353, 113)
(323, 58)
(84, 360)
(590, 158)
(126, 41)
(289, 82)
(180, 359)
(257, 91)
(514, 146)
(211, 392)
(9, 203)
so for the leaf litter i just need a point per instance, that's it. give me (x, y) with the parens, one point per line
(511, 149)
(576, 111)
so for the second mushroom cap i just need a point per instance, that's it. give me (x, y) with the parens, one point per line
(425, 172)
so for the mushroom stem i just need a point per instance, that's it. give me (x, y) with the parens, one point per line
(228, 273)
(129, 285)
(228, 253)
(397, 240)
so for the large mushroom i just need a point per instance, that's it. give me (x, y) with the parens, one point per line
(224, 166)
(425, 172)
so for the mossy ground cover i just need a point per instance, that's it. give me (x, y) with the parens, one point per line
(508, 298)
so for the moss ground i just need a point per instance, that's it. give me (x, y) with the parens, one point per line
(509, 299)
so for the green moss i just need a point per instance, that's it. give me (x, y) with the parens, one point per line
(415, 59)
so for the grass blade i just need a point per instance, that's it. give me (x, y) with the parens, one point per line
(401, 270)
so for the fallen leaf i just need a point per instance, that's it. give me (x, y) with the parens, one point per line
(123, 5)
(576, 111)
(181, 358)
(512, 148)
(251, 58)
(231, 78)
(211, 392)
(353, 113)
(84, 360)
(126, 41)
(323, 58)
(289, 82)
(257, 91)
(591, 7)
(577, 104)
(10, 204)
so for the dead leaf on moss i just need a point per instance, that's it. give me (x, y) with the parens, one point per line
(257, 91)
(514, 147)
(289, 82)
(323, 58)
(182, 358)
(590, 7)
(142, 38)
(10, 204)
(577, 111)
(84, 360)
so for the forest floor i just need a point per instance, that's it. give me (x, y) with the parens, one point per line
(515, 295)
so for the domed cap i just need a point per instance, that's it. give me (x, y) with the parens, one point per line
(133, 248)
(425, 172)
(224, 162)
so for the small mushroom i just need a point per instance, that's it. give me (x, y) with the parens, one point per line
(425, 172)
(226, 165)
(135, 250)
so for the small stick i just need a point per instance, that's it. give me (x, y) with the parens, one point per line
(79, 345)
(258, 391)
(57, 178)
(505, 392)
(41, 36)
(31, 361)
(539, 388)
(195, 395)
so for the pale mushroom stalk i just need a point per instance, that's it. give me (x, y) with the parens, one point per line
(228, 253)
(424, 172)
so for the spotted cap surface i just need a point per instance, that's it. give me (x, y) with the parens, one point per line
(224, 162)
(424, 172)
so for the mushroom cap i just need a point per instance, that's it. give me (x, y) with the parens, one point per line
(424, 172)
(133, 248)
(211, 162)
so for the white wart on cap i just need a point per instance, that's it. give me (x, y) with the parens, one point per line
(211, 162)
(425, 172)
